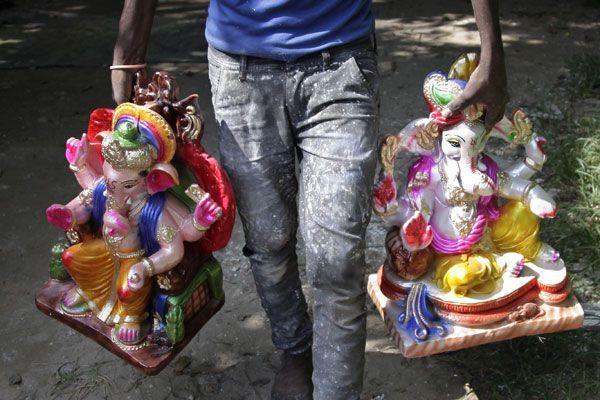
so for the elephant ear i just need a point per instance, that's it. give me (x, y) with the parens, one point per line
(161, 177)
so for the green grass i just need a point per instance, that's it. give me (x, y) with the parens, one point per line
(553, 367)
(563, 365)
(574, 170)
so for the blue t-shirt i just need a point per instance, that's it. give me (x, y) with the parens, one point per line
(286, 29)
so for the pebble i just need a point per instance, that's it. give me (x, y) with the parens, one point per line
(181, 364)
(15, 379)
(386, 67)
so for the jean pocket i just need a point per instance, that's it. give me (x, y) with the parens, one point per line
(215, 73)
(366, 68)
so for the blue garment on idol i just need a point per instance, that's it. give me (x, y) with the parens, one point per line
(286, 29)
(147, 222)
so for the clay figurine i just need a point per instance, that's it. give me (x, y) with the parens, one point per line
(153, 207)
(464, 235)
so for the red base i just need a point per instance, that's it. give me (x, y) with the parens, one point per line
(150, 360)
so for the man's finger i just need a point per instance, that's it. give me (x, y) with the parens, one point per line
(457, 105)
(492, 116)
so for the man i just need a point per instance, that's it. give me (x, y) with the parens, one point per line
(298, 79)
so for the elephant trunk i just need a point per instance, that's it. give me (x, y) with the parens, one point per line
(473, 180)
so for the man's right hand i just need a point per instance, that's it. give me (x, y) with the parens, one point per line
(132, 41)
(122, 85)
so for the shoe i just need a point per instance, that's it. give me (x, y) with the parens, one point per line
(293, 379)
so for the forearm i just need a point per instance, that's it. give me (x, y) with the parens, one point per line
(134, 31)
(512, 187)
(488, 23)
(168, 256)
(86, 176)
(400, 215)
(191, 231)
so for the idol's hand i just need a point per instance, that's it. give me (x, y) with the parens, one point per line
(416, 232)
(486, 86)
(60, 216)
(535, 150)
(385, 196)
(77, 151)
(136, 276)
(207, 212)
(541, 203)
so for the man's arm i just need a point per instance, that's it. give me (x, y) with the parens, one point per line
(487, 84)
(132, 42)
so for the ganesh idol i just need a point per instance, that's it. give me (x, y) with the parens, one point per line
(138, 228)
(466, 229)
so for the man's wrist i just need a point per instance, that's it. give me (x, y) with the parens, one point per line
(492, 53)
(124, 53)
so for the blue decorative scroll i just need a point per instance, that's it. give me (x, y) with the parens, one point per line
(417, 320)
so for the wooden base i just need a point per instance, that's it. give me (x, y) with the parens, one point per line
(565, 316)
(151, 359)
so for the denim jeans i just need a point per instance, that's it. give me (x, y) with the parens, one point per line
(322, 110)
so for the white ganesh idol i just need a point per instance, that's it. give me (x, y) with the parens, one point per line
(463, 239)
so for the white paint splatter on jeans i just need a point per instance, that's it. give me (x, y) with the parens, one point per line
(327, 117)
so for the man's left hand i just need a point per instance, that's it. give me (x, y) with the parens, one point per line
(487, 86)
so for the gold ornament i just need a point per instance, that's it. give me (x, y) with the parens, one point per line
(463, 66)
(85, 197)
(165, 234)
(193, 125)
(163, 282)
(120, 158)
(149, 266)
(427, 135)
(199, 227)
(523, 128)
(387, 154)
(73, 236)
(196, 193)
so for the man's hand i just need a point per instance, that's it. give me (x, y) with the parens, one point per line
(132, 42)
(487, 84)
(122, 85)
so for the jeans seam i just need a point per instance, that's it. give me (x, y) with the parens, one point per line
(218, 85)
(365, 81)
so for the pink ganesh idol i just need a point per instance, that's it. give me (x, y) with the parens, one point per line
(135, 232)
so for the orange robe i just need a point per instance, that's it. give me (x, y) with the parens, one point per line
(101, 275)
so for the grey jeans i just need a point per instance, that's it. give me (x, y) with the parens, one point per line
(322, 109)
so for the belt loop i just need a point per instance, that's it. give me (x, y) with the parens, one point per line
(243, 68)
(326, 59)
(374, 42)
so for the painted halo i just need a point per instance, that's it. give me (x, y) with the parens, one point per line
(153, 128)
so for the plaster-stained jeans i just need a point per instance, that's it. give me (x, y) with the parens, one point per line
(322, 109)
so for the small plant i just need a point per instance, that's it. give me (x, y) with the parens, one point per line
(57, 270)
(175, 329)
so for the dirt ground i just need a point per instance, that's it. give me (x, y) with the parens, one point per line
(54, 58)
